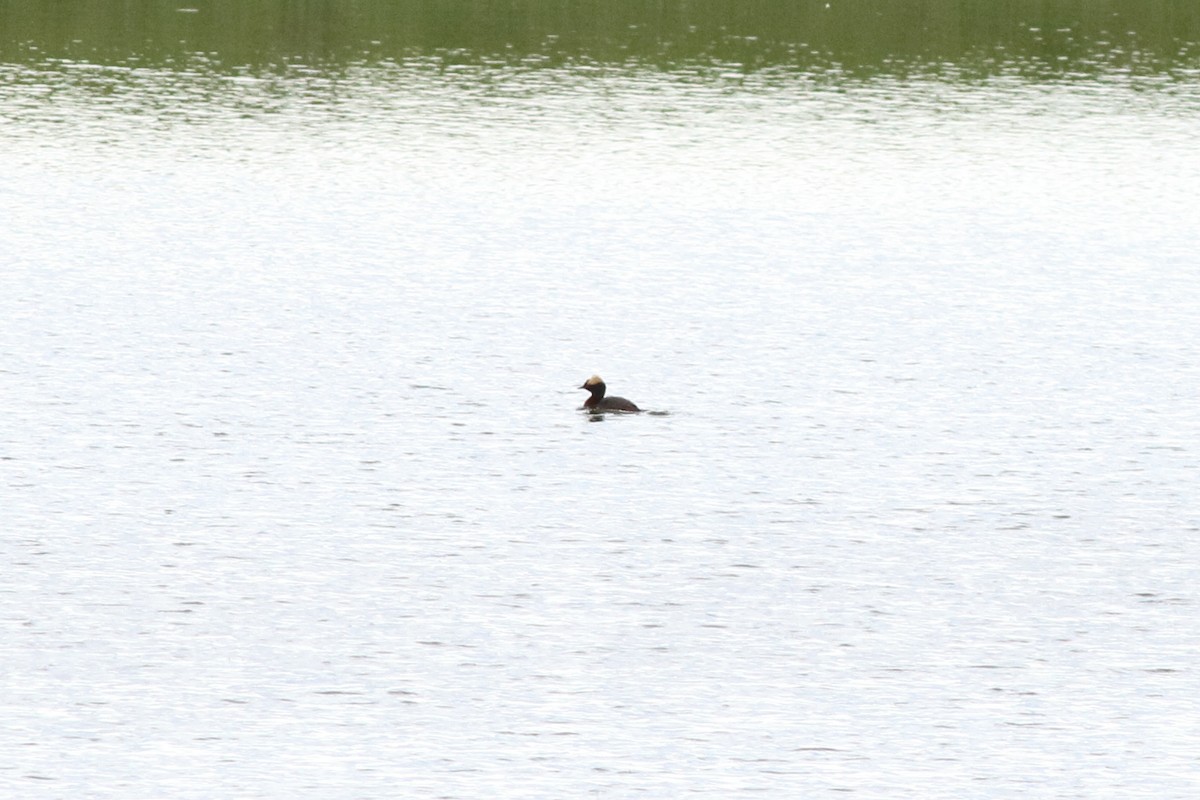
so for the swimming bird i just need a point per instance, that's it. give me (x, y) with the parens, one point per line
(598, 402)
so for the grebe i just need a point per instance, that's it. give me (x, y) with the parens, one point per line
(598, 402)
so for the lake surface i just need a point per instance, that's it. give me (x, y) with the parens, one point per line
(298, 501)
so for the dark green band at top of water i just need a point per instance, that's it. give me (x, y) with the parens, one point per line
(1035, 38)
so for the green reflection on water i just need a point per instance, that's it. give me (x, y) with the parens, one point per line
(1034, 38)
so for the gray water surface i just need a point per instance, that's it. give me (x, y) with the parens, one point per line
(297, 501)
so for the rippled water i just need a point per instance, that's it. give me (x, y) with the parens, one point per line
(298, 502)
